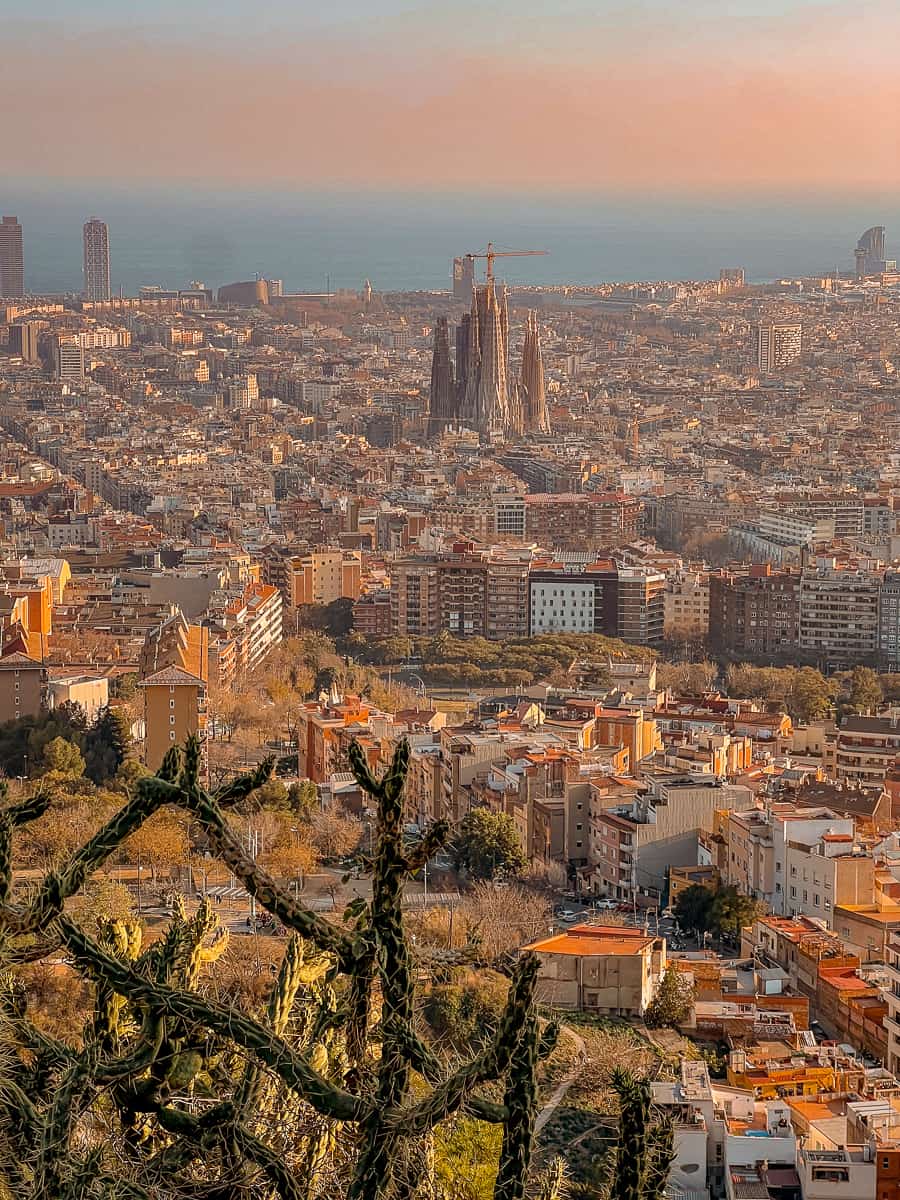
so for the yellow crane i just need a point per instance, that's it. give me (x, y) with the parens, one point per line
(490, 254)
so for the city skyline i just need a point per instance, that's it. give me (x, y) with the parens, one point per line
(727, 78)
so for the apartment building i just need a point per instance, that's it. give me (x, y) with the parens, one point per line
(889, 622)
(686, 605)
(600, 969)
(865, 748)
(23, 687)
(756, 613)
(174, 710)
(466, 593)
(828, 872)
(632, 846)
(579, 521)
(839, 616)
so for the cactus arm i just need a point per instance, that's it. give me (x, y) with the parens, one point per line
(152, 794)
(521, 1104)
(423, 1059)
(293, 1068)
(372, 1176)
(278, 1011)
(660, 1156)
(433, 840)
(74, 1093)
(80, 1182)
(494, 1060)
(263, 887)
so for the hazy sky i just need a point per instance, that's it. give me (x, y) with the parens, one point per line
(618, 95)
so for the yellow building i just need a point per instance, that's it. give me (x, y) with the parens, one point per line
(324, 576)
(174, 710)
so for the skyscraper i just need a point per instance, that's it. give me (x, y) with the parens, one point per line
(96, 260)
(12, 260)
(869, 253)
(463, 277)
(443, 396)
(531, 385)
(776, 346)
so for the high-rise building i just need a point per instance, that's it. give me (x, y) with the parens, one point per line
(23, 339)
(777, 346)
(69, 360)
(869, 254)
(889, 621)
(12, 259)
(463, 278)
(96, 260)
(531, 387)
(442, 405)
(731, 278)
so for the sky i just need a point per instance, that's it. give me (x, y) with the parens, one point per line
(655, 97)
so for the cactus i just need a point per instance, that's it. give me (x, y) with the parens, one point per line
(644, 1149)
(331, 1076)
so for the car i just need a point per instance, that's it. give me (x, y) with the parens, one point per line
(608, 904)
(567, 915)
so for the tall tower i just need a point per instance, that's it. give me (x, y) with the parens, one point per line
(96, 260)
(12, 259)
(534, 400)
(442, 394)
(463, 277)
(492, 410)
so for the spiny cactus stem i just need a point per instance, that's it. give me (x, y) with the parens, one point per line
(263, 887)
(494, 1060)
(423, 1059)
(433, 840)
(293, 1068)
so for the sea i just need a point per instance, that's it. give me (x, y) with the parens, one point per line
(315, 240)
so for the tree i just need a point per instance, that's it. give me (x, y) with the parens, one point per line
(732, 911)
(62, 758)
(334, 832)
(861, 692)
(161, 843)
(106, 745)
(810, 696)
(693, 909)
(687, 678)
(303, 799)
(505, 918)
(672, 1001)
(487, 845)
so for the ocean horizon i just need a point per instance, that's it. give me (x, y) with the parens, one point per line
(314, 239)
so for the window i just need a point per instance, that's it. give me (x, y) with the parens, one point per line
(171, 735)
(172, 719)
(816, 899)
(805, 896)
(171, 704)
(793, 893)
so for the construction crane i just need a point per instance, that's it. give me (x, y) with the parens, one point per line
(490, 254)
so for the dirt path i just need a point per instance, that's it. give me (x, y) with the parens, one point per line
(559, 1095)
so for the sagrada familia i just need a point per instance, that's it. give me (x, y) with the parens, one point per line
(482, 395)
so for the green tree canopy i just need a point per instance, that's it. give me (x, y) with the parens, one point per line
(62, 757)
(487, 845)
(861, 692)
(732, 911)
(106, 745)
(693, 909)
(672, 1001)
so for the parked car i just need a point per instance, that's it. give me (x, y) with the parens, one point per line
(567, 915)
(607, 904)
